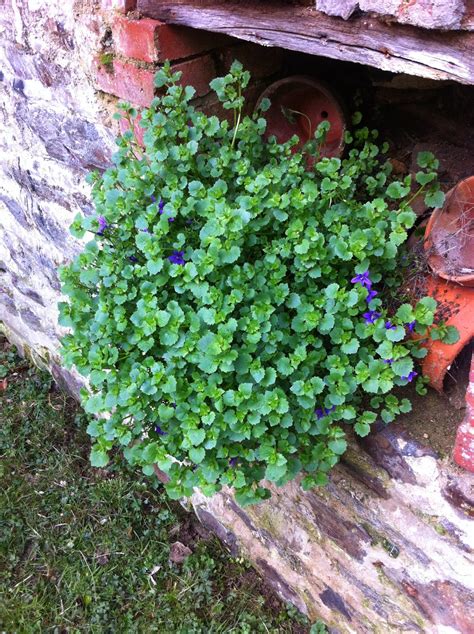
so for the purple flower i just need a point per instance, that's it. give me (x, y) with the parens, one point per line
(102, 225)
(410, 376)
(145, 230)
(171, 219)
(389, 325)
(363, 279)
(153, 198)
(411, 326)
(133, 259)
(232, 462)
(159, 431)
(389, 361)
(177, 257)
(370, 295)
(371, 316)
(161, 205)
(321, 412)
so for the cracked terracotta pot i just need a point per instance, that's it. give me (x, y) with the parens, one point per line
(449, 235)
(298, 105)
(455, 308)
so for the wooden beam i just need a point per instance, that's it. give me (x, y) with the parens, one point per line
(364, 40)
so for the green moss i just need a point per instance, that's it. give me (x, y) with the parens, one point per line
(106, 60)
(432, 520)
(360, 462)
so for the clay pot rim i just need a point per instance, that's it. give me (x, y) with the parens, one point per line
(322, 87)
(466, 279)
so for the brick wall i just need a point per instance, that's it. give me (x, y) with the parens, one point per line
(135, 46)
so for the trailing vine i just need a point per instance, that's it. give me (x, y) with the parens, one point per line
(228, 306)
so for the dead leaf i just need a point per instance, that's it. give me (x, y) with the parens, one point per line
(102, 558)
(179, 552)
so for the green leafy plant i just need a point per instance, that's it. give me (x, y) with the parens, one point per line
(225, 306)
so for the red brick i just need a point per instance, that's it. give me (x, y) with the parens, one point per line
(122, 6)
(137, 129)
(136, 85)
(198, 73)
(152, 41)
(126, 81)
(179, 42)
(258, 60)
(136, 38)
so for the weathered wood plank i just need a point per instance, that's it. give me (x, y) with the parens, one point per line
(364, 40)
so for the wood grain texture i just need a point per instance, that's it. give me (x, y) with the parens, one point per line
(364, 40)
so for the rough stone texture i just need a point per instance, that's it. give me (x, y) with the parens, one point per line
(340, 8)
(394, 557)
(464, 447)
(387, 546)
(54, 131)
(121, 6)
(428, 14)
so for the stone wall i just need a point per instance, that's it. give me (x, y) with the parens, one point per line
(54, 130)
(63, 67)
(427, 14)
(387, 546)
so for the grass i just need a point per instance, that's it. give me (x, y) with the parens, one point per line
(87, 550)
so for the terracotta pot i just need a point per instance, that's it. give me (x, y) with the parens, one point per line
(455, 308)
(449, 236)
(298, 105)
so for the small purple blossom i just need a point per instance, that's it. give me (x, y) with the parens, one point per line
(389, 325)
(177, 257)
(161, 206)
(103, 225)
(371, 316)
(153, 198)
(232, 462)
(370, 295)
(321, 412)
(171, 219)
(159, 431)
(363, 279)
(388, 361)
(145, 230)
(411, 326)
(133, 259)
(410, 376)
